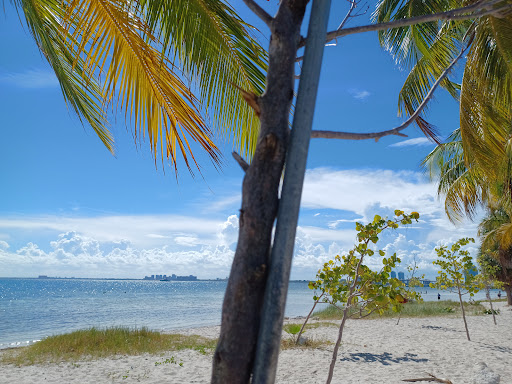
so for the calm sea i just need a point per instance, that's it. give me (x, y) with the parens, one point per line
(31, 309)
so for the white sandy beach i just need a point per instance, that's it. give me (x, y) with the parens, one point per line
(373, 351)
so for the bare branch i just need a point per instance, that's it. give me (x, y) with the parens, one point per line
(353, 5)
(432, 378)
(260, 12)
(317, 134)
(478, 9)
(240, 160)
(395, 131)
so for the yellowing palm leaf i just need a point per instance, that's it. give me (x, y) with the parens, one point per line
(111, 34)
(216, 51)
(86, 41)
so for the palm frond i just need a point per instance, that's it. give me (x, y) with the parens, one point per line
(485, 101)
(216, 51)
(81, 93)
(463, 197)
(114, 41)
(428, 48)
(411, 43)
(465, 189)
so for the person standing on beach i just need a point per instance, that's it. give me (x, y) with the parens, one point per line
(438, 296)
(499, 295)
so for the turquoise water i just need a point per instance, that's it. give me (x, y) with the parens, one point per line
(31, 309)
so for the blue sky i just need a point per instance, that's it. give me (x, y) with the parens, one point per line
(70, 208)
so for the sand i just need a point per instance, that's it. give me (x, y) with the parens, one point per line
(373, 351)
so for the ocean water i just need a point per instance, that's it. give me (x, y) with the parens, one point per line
(31, 309)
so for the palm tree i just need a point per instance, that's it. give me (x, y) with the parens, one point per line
(472, 168)
(496, 232)
(145, 57)
(485, 94)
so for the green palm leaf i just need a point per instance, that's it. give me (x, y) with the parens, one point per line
(216, 51)
(114, 40)
(462, 187)
(427, 48)
(486, 98)
(82, 94)
(211, 51)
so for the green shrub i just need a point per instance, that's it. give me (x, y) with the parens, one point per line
(97, 343)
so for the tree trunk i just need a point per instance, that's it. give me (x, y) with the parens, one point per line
(488, 295)
(233, 358)
(337, 345)
(505, 273)
(508, 291)
(463, 311)
(307, 318)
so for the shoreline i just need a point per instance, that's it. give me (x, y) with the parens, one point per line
(373, 351)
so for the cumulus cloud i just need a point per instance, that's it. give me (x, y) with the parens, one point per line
(142, 230)
(228, 234)
(32, 78)
(358, 191)
(134, 246)
(73, 254)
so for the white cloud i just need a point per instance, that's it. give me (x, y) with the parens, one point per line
(228, 233)
(187, 241)
(32, 78)
(134, 246)
(419, 141)
(359, 94)
(322, 235)
(143, 230)
(73, 254)
(367, 191)
(336, 223)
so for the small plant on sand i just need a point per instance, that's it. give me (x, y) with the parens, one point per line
(292, 329)
(169, 360)
(413, 283)
(348, 284)
(488, 270)
(457, 272)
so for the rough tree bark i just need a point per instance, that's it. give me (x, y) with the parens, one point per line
(233, 358)
(505, 274)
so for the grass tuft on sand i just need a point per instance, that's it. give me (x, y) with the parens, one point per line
(97, 343)
(413, 309)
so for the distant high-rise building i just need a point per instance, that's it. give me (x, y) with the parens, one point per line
(393, 274)
(401, 276)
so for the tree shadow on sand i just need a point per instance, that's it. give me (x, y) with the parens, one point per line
(497, 348)
(444, 329)
(385, 358)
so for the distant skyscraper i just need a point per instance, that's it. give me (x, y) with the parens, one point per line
(401, 276)
(393, 274)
